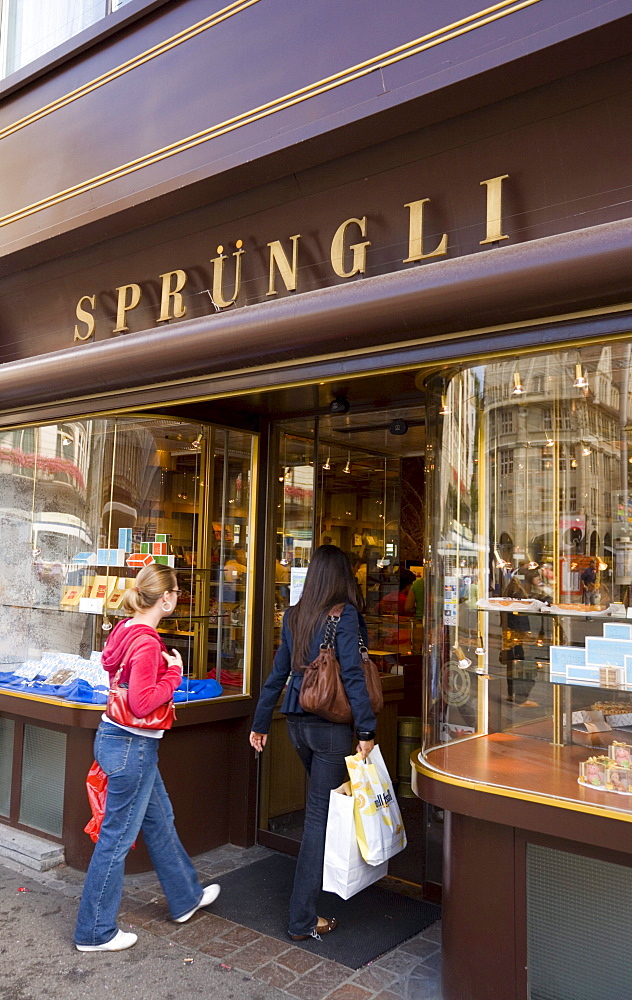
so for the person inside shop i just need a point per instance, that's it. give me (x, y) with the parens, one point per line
(590, 593)
(396, 603)
(321, 745)
(235, 570)
(136, 796)
(415, 598)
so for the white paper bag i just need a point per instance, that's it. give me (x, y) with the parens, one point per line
(378, 821)
(344, 871)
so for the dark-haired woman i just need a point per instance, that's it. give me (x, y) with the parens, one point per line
(321, 745)
(136, 796)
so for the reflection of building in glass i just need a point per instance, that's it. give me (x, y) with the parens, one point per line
(555, 453)
(43, 487)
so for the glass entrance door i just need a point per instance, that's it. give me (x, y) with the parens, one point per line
(356, 481)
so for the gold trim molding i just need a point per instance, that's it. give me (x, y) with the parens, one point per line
(113, 74)
(405, 51)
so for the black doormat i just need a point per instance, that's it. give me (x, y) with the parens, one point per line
(370, 923)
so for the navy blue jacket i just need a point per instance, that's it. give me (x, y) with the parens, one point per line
(351, 672)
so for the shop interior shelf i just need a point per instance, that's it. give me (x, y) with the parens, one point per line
(581, 616)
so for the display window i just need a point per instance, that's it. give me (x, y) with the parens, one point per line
(84, 505)
(529, 571)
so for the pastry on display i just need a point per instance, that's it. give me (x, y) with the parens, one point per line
(613, 772)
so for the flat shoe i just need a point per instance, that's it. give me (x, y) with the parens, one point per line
(324, 926)
(120, 941)
(209, 895)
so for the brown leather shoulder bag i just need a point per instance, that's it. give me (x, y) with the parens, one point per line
(118, 710)
(322, 690)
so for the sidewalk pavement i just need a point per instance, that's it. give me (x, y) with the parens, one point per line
(207, 956)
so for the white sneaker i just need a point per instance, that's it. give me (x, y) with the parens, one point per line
(119, 942)
(209, 896)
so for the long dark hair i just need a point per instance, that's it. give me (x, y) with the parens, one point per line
(329, 581)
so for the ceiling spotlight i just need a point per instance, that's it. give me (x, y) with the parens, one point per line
(347, 467)
(549, 443)
(518, 388)
(573, 463)
(197, 441)
(398, 427)
(339, 405)
(585, 450)
(580, 382)
(327, 465)
(444, 406)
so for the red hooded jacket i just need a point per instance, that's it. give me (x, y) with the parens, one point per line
(151, 681)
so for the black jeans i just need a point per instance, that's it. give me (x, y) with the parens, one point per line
(322, 747)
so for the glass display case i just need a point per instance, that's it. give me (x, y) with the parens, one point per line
(529, 568)
(83, 506)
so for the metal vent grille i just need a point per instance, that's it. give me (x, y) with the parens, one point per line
(7, 727)
(43, 773)
(578, 919)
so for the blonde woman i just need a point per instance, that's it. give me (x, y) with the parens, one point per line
(136, 797)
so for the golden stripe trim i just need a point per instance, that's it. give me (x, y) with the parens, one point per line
(62, 703)
(113, 74)
(427, 366)
(405, 51)
(429, 771)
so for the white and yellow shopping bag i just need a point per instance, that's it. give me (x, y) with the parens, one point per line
(378, 821)
(344, 870)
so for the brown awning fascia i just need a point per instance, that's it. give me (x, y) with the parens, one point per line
(551, 277)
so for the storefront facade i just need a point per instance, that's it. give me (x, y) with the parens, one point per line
(369, 282)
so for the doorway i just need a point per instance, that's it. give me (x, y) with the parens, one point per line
(355, 480)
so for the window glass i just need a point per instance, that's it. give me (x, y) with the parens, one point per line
(32, 27)
(83, 506)
(531, 548)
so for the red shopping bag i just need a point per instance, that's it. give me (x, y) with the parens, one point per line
(97, 788)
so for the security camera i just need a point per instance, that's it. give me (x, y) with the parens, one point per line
(398, 426)
(338, 406)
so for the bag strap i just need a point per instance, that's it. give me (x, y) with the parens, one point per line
(123, 663)
(331, 626)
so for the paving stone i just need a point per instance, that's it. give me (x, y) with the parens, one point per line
(374, 978)
(399, 962)
(433, 933)
(218, 949)
(420, 947)
(298, 959)
(258, 953)
(393, 994)
(434, 962)
(207, 927)
(424, 984)
(418, 990)
(349, 991)
(240, 936)
(276, 975)
(319, 981)
(141, 916)
(423, 974)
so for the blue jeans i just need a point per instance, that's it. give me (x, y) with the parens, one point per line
(136, 799)
(322, 747)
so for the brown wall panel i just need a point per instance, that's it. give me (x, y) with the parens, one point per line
(478, 919)
(552, 188)
(258, 55)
